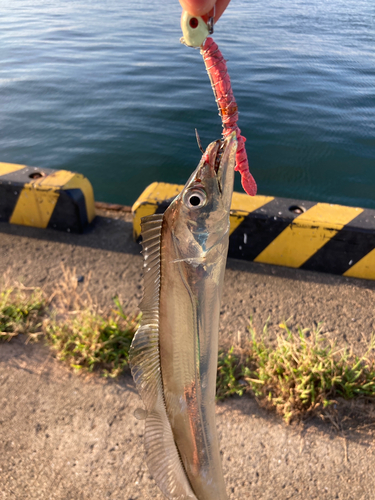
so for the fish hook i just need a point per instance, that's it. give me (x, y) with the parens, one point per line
(199, 141)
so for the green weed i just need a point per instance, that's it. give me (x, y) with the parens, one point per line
(91, 341)
(70, 323)
(302, 374)
(229, 379)
(21, 311)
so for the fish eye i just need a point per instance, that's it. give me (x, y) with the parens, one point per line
(195, 198)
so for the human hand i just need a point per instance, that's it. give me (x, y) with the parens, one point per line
(201, 7)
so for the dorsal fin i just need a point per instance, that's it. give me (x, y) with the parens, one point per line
(163, 459)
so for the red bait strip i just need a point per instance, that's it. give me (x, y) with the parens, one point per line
(217, 71)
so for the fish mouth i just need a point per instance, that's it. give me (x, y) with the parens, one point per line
(225, 162)
(217, 165)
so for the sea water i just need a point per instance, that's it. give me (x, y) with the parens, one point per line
(105, 88)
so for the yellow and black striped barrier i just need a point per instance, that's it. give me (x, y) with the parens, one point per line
(41, 197)
(300, 234)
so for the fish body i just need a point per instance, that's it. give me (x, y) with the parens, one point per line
(174, 353)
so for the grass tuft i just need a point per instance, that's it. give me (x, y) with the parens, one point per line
(21, 311)
(92, 341)
(71, 323)
(83, 335)
(302, 374)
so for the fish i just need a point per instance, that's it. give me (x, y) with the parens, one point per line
(173, 356)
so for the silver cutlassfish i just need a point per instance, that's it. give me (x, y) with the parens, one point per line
(174, 353)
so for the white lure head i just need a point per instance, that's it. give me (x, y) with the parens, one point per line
(194, 29)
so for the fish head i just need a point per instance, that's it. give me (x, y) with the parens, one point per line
(199, 216)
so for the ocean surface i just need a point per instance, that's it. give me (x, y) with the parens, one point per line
(105, 88)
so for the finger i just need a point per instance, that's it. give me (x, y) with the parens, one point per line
(220, 7)
(202, 7)
(197, 7)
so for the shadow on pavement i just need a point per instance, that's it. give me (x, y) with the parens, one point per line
(297, 274)
(104, 233)
(352, 420)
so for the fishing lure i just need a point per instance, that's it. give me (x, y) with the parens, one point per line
(196, 32)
